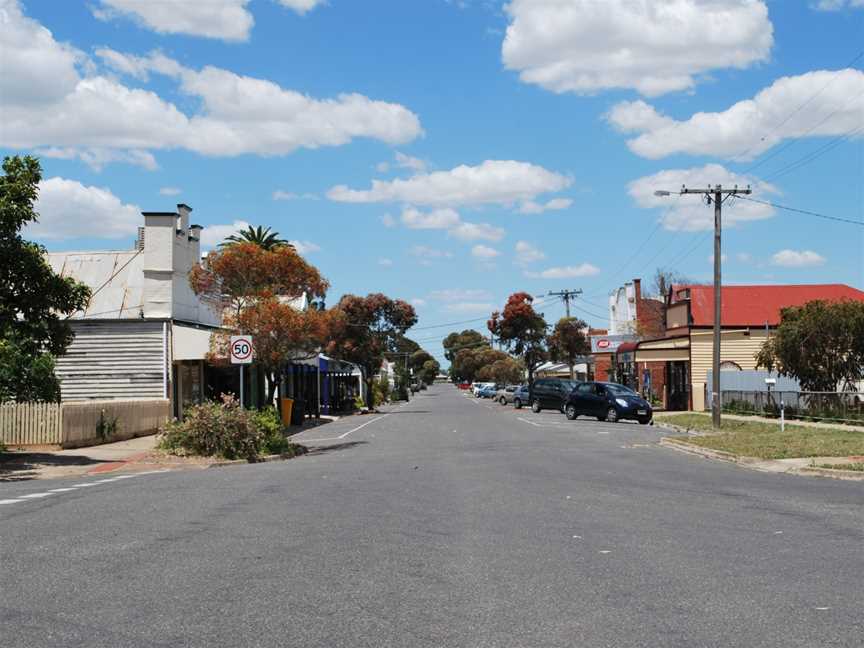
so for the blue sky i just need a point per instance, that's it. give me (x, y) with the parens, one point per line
(515, 146)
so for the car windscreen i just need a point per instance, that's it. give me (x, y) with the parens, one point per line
(620, 390)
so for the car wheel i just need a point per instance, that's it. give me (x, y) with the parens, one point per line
(570, 412)
(535, 406)
(503, 401)
(517, 404)
(612, 415)
(644, 421)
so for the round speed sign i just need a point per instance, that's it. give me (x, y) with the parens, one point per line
(241, 349)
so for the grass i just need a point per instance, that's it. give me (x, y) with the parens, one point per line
(765, 441)
(851, 466)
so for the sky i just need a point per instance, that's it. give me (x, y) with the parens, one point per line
(452, 152)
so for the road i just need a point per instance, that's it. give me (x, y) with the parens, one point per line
(447, 522)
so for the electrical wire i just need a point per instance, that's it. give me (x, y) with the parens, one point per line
(803, 211)
(806, 159)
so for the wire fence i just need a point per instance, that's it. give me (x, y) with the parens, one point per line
(841, 407)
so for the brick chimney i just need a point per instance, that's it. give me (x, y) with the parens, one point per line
(637, 287)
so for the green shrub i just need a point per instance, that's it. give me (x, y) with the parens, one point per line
(270, 424)
(215, 429)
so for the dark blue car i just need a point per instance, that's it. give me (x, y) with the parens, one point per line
(607, 402)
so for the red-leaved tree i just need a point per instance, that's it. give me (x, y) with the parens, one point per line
(521, 329)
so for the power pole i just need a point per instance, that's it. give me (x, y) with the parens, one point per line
(718, 195)
(566, 295)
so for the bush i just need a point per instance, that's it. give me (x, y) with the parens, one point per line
(270, 424)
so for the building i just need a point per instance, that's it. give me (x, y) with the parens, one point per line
(749, 314)
(631, 313)
(144, 334)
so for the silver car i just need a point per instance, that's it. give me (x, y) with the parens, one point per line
(506, 395)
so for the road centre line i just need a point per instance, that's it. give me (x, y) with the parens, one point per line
(342, 436)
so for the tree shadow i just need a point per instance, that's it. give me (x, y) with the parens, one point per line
(21, 466)
(324, 449)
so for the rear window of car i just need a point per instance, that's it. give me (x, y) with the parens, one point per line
(619, 390)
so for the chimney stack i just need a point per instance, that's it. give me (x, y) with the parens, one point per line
(637, 287)
(183, 211)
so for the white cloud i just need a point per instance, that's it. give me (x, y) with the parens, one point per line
(689, 212)
(388, 221)
(284, 195)
(470, 307)
(426, 254)
(305, 247)
(744, 257)
(460, 294)
(213, 235)
(653, 46)
(223, 19)
(417, 302)
(476, 231)
(407, 162)
(484, 252)
(383, 261)
(837, 5)
(796, 259)
(531, 207)
(436, 219)
(565, 272)
(832, 104)
(500, 182)
(97, 158)
(170, 191)
(302, 6)
(47, 104)
(68, 209)
(527, 253)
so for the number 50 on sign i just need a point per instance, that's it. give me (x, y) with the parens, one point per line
(241, 349)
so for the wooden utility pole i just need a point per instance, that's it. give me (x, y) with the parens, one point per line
(566, 295)
(718, 195)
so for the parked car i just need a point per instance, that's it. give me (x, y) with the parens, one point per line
(550, 393)
(505, 394)
(521, 396)
(477, 386)
(489, 391)
(464, 385)
(608, 402)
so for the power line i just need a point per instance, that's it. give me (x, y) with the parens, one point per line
(804, 211)
(806, 159)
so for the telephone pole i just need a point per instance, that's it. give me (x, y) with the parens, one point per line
(716, 195)
(566, 295)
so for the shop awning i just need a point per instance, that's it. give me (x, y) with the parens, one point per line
(664, 350)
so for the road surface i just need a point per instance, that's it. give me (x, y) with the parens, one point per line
(446, 522)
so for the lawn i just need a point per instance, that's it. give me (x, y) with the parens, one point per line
(765, 441)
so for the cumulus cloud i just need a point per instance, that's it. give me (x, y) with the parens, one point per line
(417, 302)
(832, 104)
(227, 20)
(837, 5)
(476, 231)
(565, 272)
(436, 219)
(388, 221)
(47, 104)
(501, 182)
(689, 212)
(68, 209)
(797, 259)
(484, 252)
(527, 253)
(213, 235)
(170, 191)
(652, 46)
(407, 162)
(305, 247)
(531, 207)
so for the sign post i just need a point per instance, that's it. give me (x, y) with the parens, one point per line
(241, 351)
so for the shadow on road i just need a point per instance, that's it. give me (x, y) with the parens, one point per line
(318, 450)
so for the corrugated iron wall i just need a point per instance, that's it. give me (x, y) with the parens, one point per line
(123, 359)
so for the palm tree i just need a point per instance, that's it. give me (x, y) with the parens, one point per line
(260, 236)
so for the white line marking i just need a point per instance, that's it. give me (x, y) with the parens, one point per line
(530, 422)
(823, 608)
(605, 551)
(85, 485)
(342, 436)
(124, 476)
(61, 490)
(10, 501)
(34, 495)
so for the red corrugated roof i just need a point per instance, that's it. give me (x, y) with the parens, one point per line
(756, 305)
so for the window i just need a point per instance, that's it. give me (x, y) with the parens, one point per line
(585, 388)
(728, 365)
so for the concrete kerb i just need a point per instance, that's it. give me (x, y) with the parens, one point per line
(785, 466)
(265, 459)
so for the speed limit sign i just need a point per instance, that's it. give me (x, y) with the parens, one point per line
(241, 349)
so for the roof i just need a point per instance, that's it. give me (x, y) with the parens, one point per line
(116, 279)
(758, 305)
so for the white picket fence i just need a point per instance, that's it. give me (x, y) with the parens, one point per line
(31, 424)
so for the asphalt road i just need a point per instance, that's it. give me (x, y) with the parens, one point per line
(448, 522)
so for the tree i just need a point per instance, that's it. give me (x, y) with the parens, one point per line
(429, 371)
(475, 363)
(260, 236)
(568, 341)
(507, 371)
(368, 328)
(820, 344)
(253, 286)
(665, 278)
(34, 300)
(417, 359)
(467, 339)
(521, 329)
